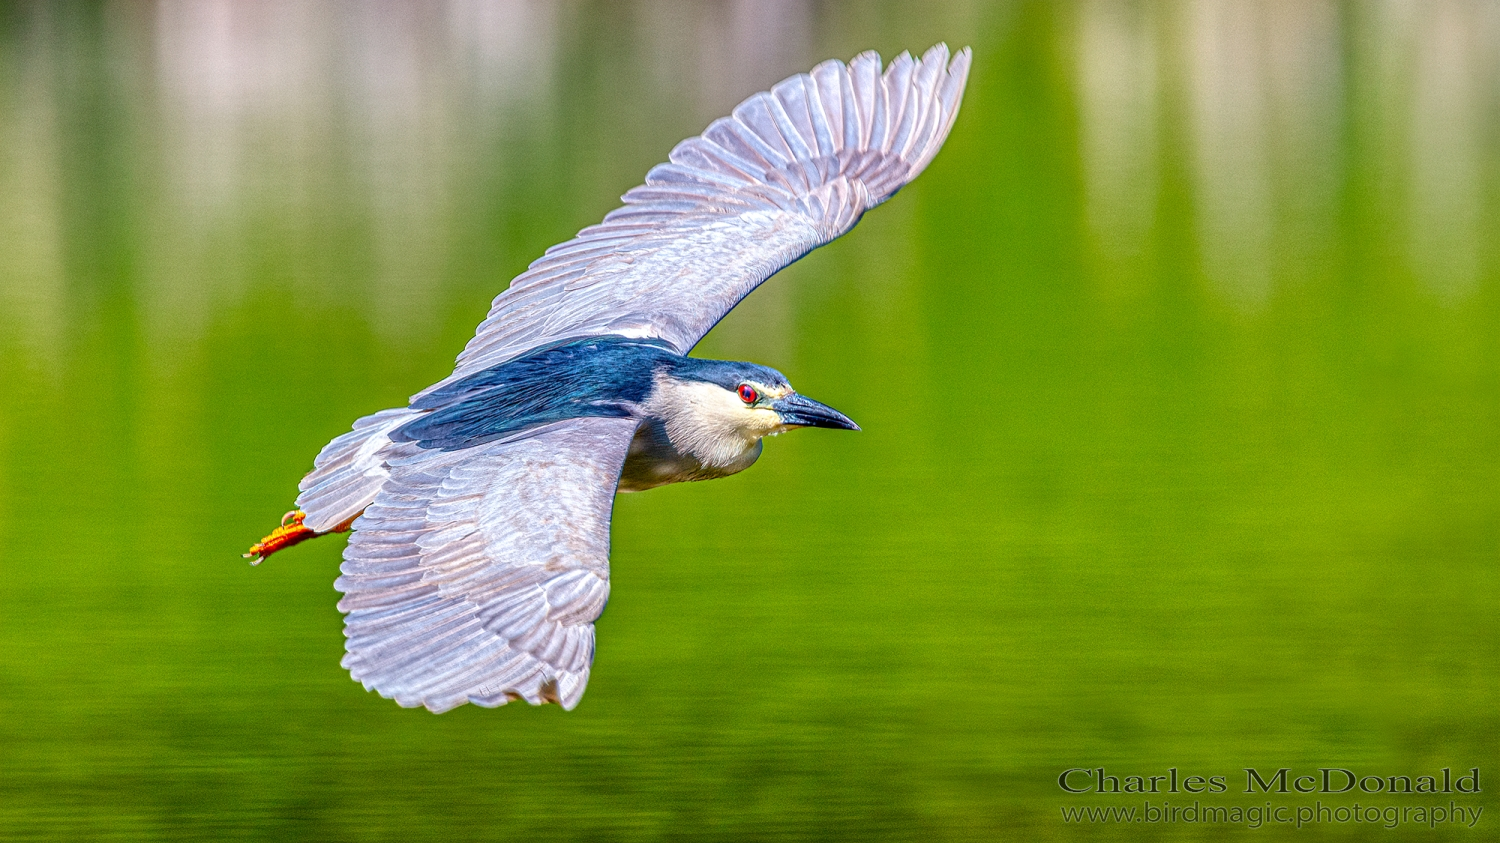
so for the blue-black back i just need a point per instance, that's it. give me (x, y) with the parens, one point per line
(595, 376)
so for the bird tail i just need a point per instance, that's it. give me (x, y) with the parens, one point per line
(344, 480)
(348, 472)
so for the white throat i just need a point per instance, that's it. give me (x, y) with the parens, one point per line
(708, 422)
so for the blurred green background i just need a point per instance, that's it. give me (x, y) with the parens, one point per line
(1179, 372)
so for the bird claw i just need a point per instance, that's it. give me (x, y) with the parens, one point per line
(289, 533)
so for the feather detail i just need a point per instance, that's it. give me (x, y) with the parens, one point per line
(476, 575)
(789, 170)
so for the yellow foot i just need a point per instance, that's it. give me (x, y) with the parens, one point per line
(289, 533)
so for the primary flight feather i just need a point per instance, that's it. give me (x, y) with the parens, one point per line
(480, 554)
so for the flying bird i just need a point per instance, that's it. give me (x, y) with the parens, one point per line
(480, 511)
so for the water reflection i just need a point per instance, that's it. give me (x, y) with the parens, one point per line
(280, 114)
(242, 120)
(1118, 92)
(276, 117)
(1451, 52)
(1266, 116)
(32, 279)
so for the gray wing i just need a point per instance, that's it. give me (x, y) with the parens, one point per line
(476, 575)
(789, 170)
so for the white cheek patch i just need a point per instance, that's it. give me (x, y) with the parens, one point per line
(709, 421)
(707, 401)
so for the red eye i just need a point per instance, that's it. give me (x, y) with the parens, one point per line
(748, 394)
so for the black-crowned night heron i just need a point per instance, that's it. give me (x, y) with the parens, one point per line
(480, 554)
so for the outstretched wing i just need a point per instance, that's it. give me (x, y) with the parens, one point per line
(476, 575)
(789, 170)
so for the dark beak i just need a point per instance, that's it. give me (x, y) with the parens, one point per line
(798, 411)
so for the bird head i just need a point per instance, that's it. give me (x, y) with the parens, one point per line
(755, 400)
